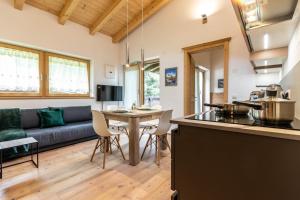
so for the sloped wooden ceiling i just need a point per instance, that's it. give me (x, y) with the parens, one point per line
(104, 16)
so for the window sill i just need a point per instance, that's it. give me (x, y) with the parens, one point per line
(49, 97)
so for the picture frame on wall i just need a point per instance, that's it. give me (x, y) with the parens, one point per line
(220, 83)
(110, 72)
(171, 76)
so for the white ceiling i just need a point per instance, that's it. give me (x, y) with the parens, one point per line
(279, 33)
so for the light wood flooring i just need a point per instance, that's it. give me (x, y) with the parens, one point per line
(67, 174)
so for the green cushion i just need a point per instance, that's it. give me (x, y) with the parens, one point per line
(51, 118)
(57, 109)
(12, 134)
(10, 119)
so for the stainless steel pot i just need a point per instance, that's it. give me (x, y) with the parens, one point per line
(272, 109)
(229, 109)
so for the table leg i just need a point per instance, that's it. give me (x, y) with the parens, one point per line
(134, 145)
(31, 152)
(1, 164)
(163, 143)
(37, 154)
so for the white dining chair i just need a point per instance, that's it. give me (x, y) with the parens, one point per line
(159, 135)
(145, 126)
(107, 137)
(114, 124)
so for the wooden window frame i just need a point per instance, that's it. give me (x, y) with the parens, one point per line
(43, 76)
(47, 55)
(41, 58)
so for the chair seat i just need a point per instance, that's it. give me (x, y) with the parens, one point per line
(152, 123)
(114, 132)
(114, 123)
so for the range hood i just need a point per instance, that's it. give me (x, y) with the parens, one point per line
(267, 25)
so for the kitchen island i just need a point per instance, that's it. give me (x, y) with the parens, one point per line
(224, 161)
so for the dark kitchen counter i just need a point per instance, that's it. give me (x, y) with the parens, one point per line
(285, 133)
(227, 161)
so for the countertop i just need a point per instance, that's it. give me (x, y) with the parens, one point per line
(246, 129)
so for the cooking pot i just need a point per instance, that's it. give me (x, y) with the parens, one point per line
(271, 109)
(229, 109)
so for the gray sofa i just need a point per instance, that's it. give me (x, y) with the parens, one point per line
(78, 127)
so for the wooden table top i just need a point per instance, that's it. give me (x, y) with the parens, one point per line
(134, 113)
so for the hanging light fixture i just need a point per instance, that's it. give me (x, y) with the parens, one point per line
(142, 38)
(127, 44)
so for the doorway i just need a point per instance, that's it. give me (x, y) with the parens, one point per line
(194, 82)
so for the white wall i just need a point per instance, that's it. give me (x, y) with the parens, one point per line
(267, 79)
(35, 28)
(293, 52)
(178, 25)
(291, 69)
(217, 69)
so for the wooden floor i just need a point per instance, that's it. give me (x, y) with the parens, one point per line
(67, 174)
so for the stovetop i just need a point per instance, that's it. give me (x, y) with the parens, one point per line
(244, 120)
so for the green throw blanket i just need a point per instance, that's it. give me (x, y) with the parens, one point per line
(13, 134)
(10, 129)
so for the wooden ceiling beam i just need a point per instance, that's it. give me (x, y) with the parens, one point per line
(67, 10)
(104, 18)
(18, 4)
(150, 10)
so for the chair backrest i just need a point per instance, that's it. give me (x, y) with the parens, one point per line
(112, 107)
(99, 124)
(164, 122)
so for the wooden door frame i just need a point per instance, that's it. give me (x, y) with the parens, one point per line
(189, 70)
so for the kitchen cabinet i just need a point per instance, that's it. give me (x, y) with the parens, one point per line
(215, 162)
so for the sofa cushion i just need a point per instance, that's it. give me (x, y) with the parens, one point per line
(51, 118)
(57, 109)
(10, 119)
(76, 114)
(61, 134)
(30, 118)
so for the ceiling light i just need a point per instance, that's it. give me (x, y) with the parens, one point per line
(127, 44)
(266, 41)
(247, 2)
(265, 71)
(266, 62)
(204, 18)
(142, 49)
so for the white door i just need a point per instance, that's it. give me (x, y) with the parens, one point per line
(199, 90)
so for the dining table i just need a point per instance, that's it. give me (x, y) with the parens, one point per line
(133, 118)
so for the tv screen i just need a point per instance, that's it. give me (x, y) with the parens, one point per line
(109, 93)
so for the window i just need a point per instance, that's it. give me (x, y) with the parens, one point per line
(151, 82)
(131, 86)
(67, 76)
(26, 72)
(19, 72)
(142, 86)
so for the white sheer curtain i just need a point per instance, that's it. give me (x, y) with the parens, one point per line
(19, 71)
(68, 76)
(131, 86)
